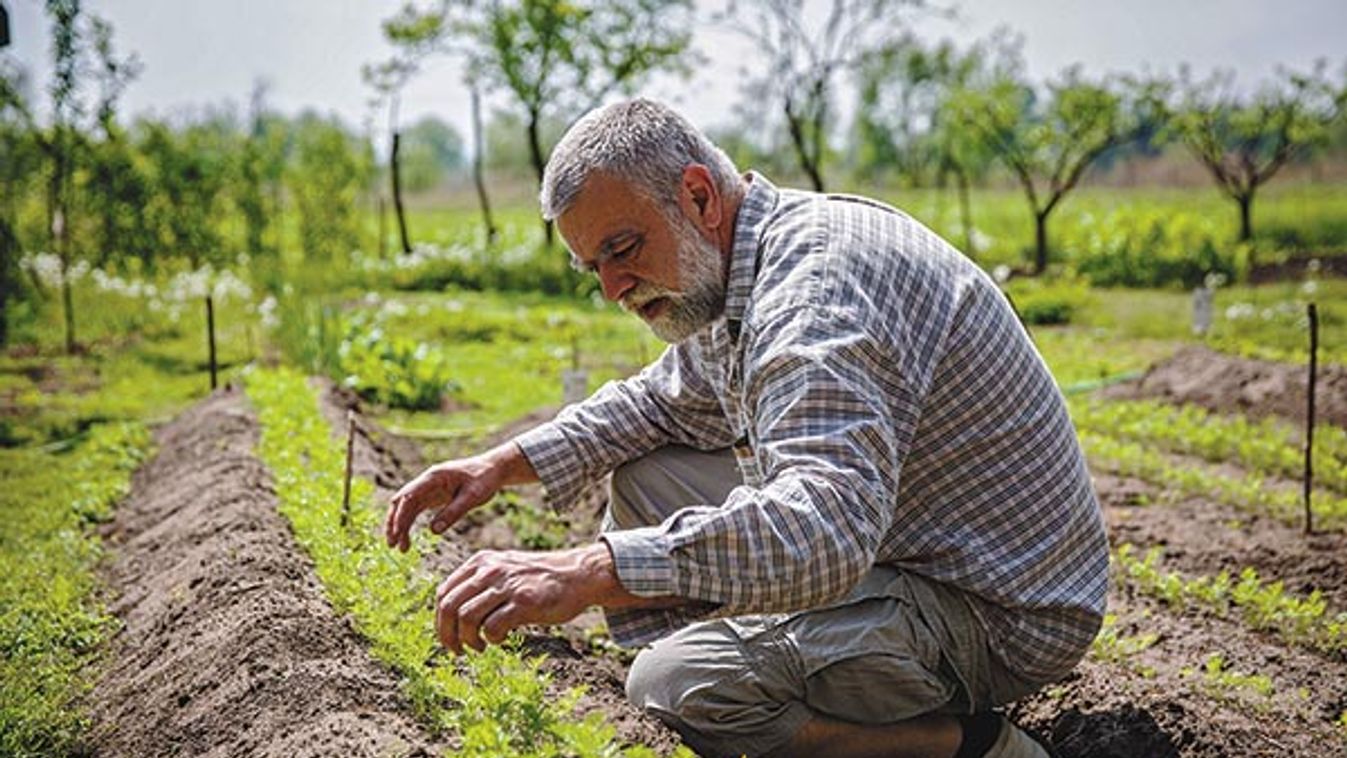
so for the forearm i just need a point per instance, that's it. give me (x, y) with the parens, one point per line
(510, 464)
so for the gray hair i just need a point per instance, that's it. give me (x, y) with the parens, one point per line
(640, 141)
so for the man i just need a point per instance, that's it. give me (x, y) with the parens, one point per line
(848, 507)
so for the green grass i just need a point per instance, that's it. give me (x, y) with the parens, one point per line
(507, 353)
(1286, 217)
(50, 620)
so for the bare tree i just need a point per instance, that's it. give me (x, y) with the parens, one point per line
(388, 79)
(1244, 141)
(804, 60)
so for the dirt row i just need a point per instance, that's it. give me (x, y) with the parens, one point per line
(227, 645)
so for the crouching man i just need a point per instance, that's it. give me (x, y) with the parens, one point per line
(849, 514)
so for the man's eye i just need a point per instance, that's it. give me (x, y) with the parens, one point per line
(624, 253)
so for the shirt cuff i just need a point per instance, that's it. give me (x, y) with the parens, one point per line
(642, 561)
(554, 460)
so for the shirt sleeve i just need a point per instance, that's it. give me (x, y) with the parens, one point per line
(667, 402)
(825, 435)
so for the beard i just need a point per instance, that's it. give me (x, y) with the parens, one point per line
(701, 273)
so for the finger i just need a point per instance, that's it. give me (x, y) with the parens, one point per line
(500, 622)
(447, 611)
(458, 576)
(447, 516)
(471, 614)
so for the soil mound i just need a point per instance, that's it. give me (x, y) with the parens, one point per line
(1229, 384)
(228, 646)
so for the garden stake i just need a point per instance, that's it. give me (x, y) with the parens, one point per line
(1309, 420)
(210, 338)
(346, 486)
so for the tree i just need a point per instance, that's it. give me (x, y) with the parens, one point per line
(433, 150)
(904, 122)
(1047, 142)
(19, 168)
(803, 60)
(1243, 142)
(325, 178)
(67, 55)
(555, 58)
(388, 79)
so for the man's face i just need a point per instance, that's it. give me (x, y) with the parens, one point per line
(663, 270)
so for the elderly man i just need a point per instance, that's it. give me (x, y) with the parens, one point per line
(847, 507)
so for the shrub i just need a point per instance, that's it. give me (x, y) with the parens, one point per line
(1048, 301)
(1149, 248)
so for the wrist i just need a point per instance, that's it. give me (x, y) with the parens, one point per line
(509, 465)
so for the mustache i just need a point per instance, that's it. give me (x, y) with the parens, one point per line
(642, 294)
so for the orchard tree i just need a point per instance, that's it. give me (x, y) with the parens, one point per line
(23, 159)
(1243, 141)
(904, 123)
(329, 170)
(388, 79)
(1048, 142)
(804, 60)
(557, 58)
(433, 150)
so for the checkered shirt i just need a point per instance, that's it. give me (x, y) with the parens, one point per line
(898, 413)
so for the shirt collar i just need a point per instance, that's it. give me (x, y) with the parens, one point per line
(759, 201)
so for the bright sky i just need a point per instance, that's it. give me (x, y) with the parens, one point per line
(199, 53)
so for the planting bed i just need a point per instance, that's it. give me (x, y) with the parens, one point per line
(229, 645)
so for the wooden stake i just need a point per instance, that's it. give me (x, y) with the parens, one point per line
(346, 487)
(1309, 420)
(210, 338)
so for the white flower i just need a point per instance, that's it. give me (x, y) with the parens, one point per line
(1001, 273)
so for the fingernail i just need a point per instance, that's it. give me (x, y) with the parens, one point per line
(438, 526)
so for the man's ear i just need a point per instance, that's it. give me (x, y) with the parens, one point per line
(700, 198)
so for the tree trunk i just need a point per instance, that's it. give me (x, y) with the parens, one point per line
(383, 227)
(1246, 217)
(539, 165)
(965, 212)
(478, 163)
(1040, 243)
(397, 192)
(9, 254)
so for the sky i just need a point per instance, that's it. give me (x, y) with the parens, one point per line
(197, 54)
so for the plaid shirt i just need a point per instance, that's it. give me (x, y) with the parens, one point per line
(898, 413)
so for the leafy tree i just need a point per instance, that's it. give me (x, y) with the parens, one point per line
(190, 169)
(1047, 143)
(329, 169)
(433, 149)
(804, 59)
(261, 168)
(17, 171)
(904, 121)
(554, 58)
(1244, 141)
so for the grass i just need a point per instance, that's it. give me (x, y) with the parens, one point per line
(50, 619)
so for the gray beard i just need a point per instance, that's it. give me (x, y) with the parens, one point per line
(701, 271)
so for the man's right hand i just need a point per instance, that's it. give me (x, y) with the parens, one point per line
(453, 488)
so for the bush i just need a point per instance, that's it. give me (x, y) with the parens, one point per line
(1149, 248)
(1046, 302)
(392, 370)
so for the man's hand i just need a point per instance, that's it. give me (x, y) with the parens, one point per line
(494, 592)
(453, 488)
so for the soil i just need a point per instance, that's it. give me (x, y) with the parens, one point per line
(227, 646)
(1229, 384)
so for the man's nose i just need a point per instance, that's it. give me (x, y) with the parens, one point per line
(615, 281)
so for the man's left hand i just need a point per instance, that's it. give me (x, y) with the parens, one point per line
(494, 592)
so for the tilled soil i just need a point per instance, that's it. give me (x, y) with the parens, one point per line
(227, 646)
(1230, 384)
